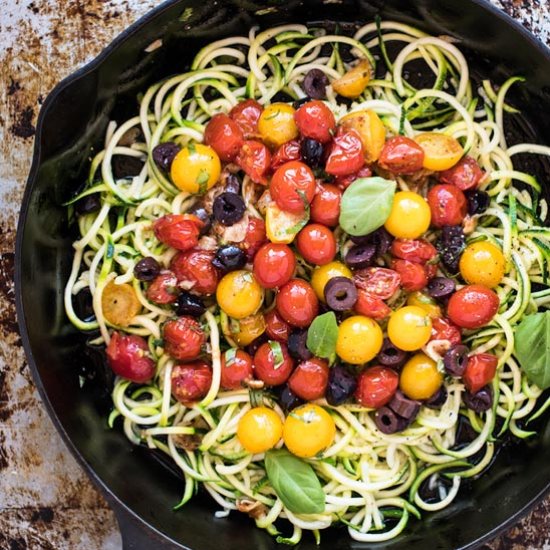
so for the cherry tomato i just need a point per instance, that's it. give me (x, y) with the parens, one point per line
(415, 250)
(224, 136)
(274, 265)
(448, 205)
(310, 379)
(119, 304)
(353, 83)
(409, 328)
(420, 377)
(273, 367)
(480, 370)
(325, 206)
(465, 174)
(239, 294)
(276, 124)
(281, 226)
(255, 236)
(441, 152)
(293, 186)
(324, 273)
(376, 386)
(343, 182)
(308, 430)
(316, 121)
(236, 368)
(163, 288)
(191, 381)
(195, 272)
(371, 130)
(276, 327)
(409, 217)
(345, 154)
(316, 244)
(246, 114)
(297, 303)
(359, 340)
(472, 306)
(196, 168)
(401, 156)
(246, 330)
(285, 153)
(482, 263)
(127, 357)
(378, 281)
(371, 306)
(259, 430)
(255, 159)
(443, 329)
(183, 338)
(413, 276)
(179, 231)
(425, 302)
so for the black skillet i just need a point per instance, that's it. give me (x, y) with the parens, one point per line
(140, 488)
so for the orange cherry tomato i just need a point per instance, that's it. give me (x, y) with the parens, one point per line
(441, 152)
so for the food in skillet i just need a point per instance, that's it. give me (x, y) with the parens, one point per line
(307, 273)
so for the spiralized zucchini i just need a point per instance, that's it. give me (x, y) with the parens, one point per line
(371, 480)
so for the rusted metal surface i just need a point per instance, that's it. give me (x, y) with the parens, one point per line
(46, 502)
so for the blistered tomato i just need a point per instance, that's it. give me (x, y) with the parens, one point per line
(194, 269)
(443, 329)
(441, 152)
(180, 231)
(472, 306)
(414, 250)
(239, 294)
(293, 186)
(163, 288)
(371, 306)
(409, 217)
(127, 357)
(310, 379)
(482, 263)
(376, 386)
(465, 174)
(285, 153)
(246, 114)
(480, 370)
(343, 182)
(378, 281)
(359, 340)
(191, 381)
(448, 205)
(276, 327)
(259, 430)
(420, 377)
(236, 367)
(353, 83)
(315, 121)
(183, 338)
(345, 154)
(196, 168)
(246, 330)
(413, 275)
(401, 155)
(426, 303)
(276, 124)
(317, 244)
(409, 328)
(224, 136)
(371, 131)
(274, 265)
(255, 236)
(297, 303)
(255, 159)
(272, 363)
(325, 206)
(119, 304)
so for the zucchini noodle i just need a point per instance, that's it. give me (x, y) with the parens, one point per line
(372, 481)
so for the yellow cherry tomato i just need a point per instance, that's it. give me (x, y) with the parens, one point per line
(353, 83)
(308, 430)
(120, 304)
(410, 216)
(259, 430)
(276, 124)
(196, 168)
(441, 152)
(324, 273)
(359, 339)
(425, 302)
(419, 377)
(245, 331)
(371, 130)
(409, 328)
(482, 263)
(282, 226)
(239, 294)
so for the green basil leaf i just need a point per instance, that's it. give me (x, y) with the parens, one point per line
(532, 348)
(366, 205)
(295, 482)
(230, 356)
(277, 352)
(322, 335)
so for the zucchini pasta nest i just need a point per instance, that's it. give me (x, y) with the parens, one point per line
(291, 220)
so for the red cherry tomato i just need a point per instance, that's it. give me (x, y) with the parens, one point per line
(285, 153)
(316, 244)
(376, 386)
(413, 276)
(195, 272)
(345, 154)
(254, 158)
(126, 355)
(378, 281)
(325, 206)
(183, 338)
(443, 329)
(371, 306)
(431, 270)
(297, 303)
(401, 155)
(269, 368)
(316, 121)
(191, 381)
(343, 182)
(246, 114)
(224, 136)
(466, 174)
(480, 370)
(274, 265)
(164, 288)
(276, 327)
(472, 306)
(293, 185)
(310, 379)
(418, 251)
(235, 370)
(448, 205)
(255, 236)
(179, 231)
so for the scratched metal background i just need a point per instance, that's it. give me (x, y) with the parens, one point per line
(46, 502)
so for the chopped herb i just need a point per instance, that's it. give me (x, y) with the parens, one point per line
(277, 351)
(191, 147)
(202, 181)
(230, 355)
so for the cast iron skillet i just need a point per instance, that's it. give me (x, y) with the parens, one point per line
(140, 488)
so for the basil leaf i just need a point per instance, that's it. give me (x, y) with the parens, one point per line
(366, 205)
(322, 335)
(295, 482)
(532, 348)
(277, 351)
(230, 356)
